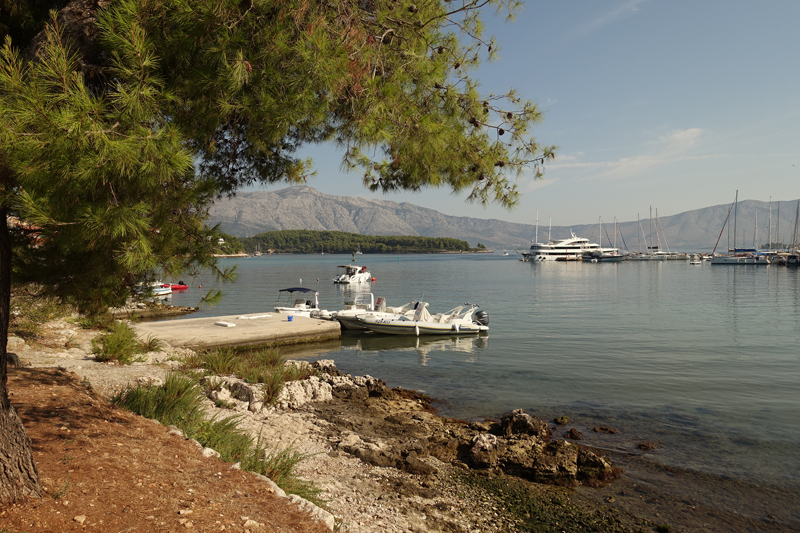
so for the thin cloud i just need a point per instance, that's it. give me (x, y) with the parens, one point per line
(670, 148)
(623, 10)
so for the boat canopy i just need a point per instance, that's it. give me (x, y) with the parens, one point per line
(297, 289)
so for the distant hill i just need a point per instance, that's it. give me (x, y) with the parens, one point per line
(304, 207)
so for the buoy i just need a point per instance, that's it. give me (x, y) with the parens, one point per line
(373, 279)
(200, 287)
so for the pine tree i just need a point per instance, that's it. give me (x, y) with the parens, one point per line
(122, 124)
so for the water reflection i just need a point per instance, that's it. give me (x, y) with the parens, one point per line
(425, 345)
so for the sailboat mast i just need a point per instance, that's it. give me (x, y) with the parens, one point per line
(735, 213)
(755, 232)
(638, 233)
(770, 224)
(536, 239)
(658, 224)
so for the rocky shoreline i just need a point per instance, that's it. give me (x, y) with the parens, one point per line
(383, 459)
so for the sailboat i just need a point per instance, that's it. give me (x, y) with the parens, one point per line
(604, 255)
(793, 259)
(740, 256)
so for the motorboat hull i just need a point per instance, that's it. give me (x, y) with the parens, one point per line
(413, 327)
(357, 278)
(740, 260)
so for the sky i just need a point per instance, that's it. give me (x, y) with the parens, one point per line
(672, 105)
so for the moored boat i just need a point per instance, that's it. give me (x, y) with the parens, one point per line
(602, 257)
(571, 249)
(365, 304)
(295, 303)
(463, 320)
(352, 274)
(741, 257)
(154, 289)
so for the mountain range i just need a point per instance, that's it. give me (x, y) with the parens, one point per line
(303, 207)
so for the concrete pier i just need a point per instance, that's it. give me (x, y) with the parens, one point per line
(253, 330)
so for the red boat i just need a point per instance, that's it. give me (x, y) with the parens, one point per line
(180, 286)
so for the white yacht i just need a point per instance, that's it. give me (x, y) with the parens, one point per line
(571, 249)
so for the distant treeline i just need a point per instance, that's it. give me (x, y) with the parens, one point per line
(297, 241)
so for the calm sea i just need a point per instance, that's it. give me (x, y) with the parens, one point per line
(704, 360)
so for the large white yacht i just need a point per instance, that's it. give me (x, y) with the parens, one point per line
(571, 249)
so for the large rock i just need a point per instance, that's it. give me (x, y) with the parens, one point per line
(297, 393)
(521, 423)
(484, 451)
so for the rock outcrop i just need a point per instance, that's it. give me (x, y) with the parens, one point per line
(395, 428)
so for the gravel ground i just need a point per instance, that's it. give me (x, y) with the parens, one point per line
(363, 498)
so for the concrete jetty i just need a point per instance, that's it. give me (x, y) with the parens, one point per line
(253, 330)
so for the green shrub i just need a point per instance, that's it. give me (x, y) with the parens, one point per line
(220, 362)
(119, 344)
(102, 321)
(30, 309)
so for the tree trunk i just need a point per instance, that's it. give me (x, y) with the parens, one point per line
(19, 478)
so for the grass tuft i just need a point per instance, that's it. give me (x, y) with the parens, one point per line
(178, 402)
(120, 344)
(258, 366)
(152, 344)
(219, 362)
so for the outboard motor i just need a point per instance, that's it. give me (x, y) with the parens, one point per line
(482, 317)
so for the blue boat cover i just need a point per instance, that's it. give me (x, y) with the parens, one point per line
(297, 289)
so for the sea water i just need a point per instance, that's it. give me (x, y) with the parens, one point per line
(703, 360)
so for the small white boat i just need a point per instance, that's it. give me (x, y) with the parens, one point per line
(365, 304)
(296, 302)
(352, 274)
(155, 289)
(463, 320)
